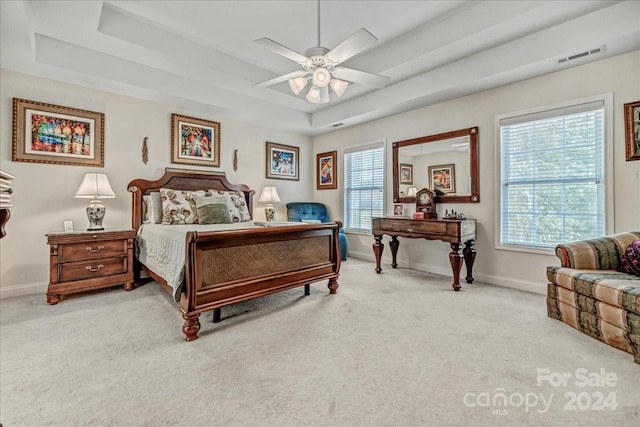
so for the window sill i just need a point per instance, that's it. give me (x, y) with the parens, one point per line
(526, 249)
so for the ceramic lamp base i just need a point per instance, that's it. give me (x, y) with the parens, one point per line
(95, 214)
(270, 213)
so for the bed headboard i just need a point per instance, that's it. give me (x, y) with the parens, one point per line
(183, 179)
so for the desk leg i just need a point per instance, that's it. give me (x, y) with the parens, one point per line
(393, 244)
(469, 257)
(456, 265)
(378, 247)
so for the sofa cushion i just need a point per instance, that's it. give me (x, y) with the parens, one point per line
(630, 262)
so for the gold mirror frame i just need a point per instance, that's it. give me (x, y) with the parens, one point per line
(474, 197)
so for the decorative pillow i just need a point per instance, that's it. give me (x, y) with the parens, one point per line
(212, 211)
(630, 261)
(237, 204)
(146, 199)
(154, 208)
(178, 207)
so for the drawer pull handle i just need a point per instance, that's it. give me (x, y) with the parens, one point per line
(410, 230)
(98, 249)
(93, 270)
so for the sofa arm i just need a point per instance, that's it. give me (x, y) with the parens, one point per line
(596, 254)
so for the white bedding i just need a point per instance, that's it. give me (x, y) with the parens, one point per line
(161, 248)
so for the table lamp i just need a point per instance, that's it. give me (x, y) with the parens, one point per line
(269, 195)
(95, 186)
(412, 192)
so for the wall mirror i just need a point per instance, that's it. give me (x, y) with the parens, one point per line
(446, 163)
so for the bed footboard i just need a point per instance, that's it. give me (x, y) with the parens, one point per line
(227, 267)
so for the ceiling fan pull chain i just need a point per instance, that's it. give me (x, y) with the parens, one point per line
(319, 24)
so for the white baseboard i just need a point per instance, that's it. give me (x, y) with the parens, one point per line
(21, 290)
(521, 285)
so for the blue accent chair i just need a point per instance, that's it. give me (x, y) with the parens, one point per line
(298, 211)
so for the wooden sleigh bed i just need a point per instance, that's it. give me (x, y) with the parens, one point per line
(225, 267)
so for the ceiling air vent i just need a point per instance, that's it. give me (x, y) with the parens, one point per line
(581, 55)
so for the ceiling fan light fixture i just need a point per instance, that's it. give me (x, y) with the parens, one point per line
(321, 77)
(339, 86)
(313, 95)
(297, 84)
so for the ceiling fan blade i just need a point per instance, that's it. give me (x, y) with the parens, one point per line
(281, 50)
(356, 43)
(324, 95)
(356, 76)
(283, 78)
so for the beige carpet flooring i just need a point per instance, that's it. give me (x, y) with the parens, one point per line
(395, 349)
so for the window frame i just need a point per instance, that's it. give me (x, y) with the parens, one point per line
(381, 143)
(607, 100)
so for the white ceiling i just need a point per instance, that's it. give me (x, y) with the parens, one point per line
(200, 55)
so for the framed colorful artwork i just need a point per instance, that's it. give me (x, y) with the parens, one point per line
(632, 129)
(195, 141)
(282, 161)
(442, 178)
(47, 133)
(326, 164)
(406, 174)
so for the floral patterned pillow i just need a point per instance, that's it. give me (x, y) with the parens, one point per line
(179, 207)
(237, 204)
(630, 261)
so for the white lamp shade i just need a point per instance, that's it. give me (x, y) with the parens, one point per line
(412, 192)
(269, 195)
(313, 95)
(297, 84)
(339, 86)
(95, 186)
(321, 77)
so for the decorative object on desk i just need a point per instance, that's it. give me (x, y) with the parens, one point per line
(425, 203)
(326, 173)
(418, 215)
(443, 178)
(145, 151)
(195, 141)
(95, 186)
(282, 161)
(269, 195)
(47, 133)
(398, 209)
(632, 129)
(406, 174)
(411, 192)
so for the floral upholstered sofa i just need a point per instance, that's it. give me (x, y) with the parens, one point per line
(596, 289)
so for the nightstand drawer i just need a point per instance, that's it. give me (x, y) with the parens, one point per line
(92, 250)
(89, 269)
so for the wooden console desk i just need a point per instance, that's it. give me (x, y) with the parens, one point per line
(454, 231)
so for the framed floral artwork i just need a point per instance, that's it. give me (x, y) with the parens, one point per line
(326, 169)
(632, 129)
(47, 133)
(442, 178)
(195, 141)
(282, 161)
(406, 174)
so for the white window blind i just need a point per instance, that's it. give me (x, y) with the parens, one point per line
(364, 186)
(552, 176)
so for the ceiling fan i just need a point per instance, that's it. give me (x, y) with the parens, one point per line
(321, 65)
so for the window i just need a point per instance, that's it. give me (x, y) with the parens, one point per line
(364, 186)
(552, 176)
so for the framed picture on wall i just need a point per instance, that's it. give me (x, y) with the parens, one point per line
(47, 133)
(398, 209)
(632, 129)
(442, 178)
(282, 161)
(406, 174)
(326, 170)
(195, 141)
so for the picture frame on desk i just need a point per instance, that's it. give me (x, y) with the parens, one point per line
(398, 209)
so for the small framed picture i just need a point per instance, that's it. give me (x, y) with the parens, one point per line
(398, 209)
(282, 161)
(195, 141)
(442, 178)
(406, 174)
(326, 169)
(632, 129)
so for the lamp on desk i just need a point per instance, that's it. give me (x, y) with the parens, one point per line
(269, 195)
(95, 186)
(411, 192)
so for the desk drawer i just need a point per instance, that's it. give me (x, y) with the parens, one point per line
(438, 228)
(91, 269)
(92, 250)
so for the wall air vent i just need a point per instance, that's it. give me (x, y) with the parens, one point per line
(580, 55)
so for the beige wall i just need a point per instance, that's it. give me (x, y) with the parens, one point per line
(619, 75)
(43, 194)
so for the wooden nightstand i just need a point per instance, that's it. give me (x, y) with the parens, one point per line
(82, 261)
